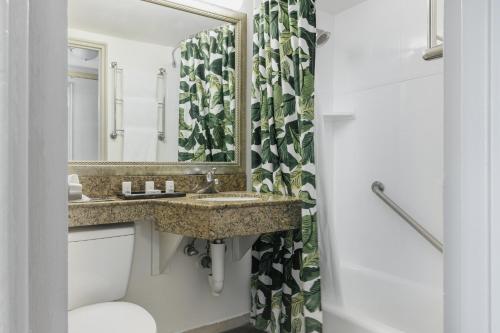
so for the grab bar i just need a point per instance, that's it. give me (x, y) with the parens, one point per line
(160, 100)
(378, 188)
(117, 100)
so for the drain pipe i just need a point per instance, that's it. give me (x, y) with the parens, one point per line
(216, 278)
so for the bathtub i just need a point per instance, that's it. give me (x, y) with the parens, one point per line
(336, 319)
(374, 302)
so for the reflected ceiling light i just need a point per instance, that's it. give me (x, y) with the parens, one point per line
(231, 4)
(84, 54)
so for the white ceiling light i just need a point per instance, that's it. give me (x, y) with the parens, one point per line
(84, 54)
(231, 4)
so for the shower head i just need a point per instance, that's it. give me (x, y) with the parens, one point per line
(322, 37)
(174, 62)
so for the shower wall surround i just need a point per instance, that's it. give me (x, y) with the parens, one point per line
(382, 269)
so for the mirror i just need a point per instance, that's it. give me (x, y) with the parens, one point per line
(86, 101)
(439, 9)
(153, 83)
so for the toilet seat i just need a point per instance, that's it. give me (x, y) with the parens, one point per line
(111, 317)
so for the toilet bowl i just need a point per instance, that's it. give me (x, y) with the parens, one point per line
(99, 264)
(111, 317)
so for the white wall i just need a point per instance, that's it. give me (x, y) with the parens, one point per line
(47, 166)
(83, 119)
(472, 155)
(181, 299)
(5, 312)
(5, 315)
(397, 138)
(33, 207)
(141, 63)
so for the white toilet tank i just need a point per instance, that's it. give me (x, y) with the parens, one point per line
(99, 263)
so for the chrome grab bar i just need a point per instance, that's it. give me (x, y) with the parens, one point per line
(378, 188)
(117, 100)
(160, 100)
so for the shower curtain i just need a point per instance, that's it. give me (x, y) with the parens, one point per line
(207, 100)
(285, 283)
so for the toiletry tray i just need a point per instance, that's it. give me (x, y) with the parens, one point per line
(143, 195)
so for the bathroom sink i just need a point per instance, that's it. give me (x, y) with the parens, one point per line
(228, 199)
(204, 216)
(228, 214)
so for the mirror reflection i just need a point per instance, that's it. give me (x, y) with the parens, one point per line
(83, 104)
(148, 83)
(439, 22)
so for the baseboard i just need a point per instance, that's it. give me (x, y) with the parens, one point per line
(223, 326)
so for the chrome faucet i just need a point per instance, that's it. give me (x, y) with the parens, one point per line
(210, 186)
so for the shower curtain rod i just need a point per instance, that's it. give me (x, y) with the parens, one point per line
(178, 45)
(174, 63)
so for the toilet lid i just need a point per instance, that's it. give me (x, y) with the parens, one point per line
(111, 317)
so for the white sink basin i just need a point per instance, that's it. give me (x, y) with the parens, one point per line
(228, 199)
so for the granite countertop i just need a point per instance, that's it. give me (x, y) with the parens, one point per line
(192, 217)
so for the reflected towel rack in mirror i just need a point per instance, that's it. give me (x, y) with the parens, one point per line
(117, 99)
(161, 83)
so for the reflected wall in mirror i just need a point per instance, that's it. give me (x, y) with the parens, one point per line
(86, 101)
(169, 84)
(439, 22)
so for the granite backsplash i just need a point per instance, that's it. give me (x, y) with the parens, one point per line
(110, 186)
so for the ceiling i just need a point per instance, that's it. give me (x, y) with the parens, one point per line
(231, 4)
(136, 20)
(336, 6)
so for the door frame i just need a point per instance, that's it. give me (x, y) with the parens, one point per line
(472, 166)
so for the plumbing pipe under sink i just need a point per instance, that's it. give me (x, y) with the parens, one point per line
(216, 278)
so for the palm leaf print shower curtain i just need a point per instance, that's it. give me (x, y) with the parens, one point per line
(207, 97)
(285, 284)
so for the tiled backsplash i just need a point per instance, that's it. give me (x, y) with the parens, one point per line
(109, 186)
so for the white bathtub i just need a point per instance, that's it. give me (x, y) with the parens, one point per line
(374, 302)
(339, 320)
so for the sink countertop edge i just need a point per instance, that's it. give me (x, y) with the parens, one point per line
(204, 217)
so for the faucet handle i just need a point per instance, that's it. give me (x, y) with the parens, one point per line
(211, 174)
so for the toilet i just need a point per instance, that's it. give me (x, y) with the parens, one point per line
(99, 264)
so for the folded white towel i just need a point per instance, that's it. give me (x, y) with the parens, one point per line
(140, 125)
(73, 179)
(140, 112)
(140, 144)
(74, 192)
(84, 198)
(74, 188)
